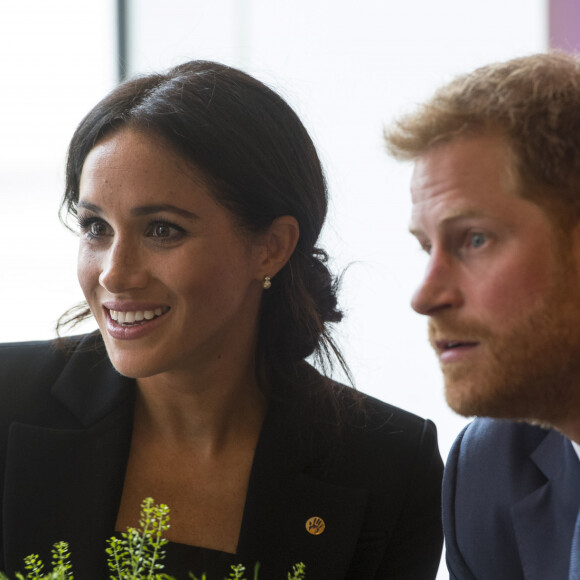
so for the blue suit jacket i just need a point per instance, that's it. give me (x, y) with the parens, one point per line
(511, 494)
(65, 429)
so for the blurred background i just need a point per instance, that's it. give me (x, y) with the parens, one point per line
(348, 68)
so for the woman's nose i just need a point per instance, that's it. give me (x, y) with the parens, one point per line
(123, 269)
(439, 289)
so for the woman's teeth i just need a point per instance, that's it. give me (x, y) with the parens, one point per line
(132, 317)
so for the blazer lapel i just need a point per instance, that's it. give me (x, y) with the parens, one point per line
(287, 495)
(544, 520)
(65, 484)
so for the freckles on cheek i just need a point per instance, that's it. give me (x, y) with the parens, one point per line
(87, 270)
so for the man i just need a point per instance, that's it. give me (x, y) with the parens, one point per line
(496, 205)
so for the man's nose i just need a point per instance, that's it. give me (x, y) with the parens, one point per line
(439, 288)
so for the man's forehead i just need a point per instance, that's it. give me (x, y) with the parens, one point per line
(464, 162)
(436, 171)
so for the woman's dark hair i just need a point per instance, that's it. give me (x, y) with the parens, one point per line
(259, 162)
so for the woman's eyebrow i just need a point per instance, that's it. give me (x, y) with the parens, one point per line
(90, 206)
(150, 209)
(145, 209)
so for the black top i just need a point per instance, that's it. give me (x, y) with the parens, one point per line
(180, 559)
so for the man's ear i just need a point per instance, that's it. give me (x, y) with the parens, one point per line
(279, 242)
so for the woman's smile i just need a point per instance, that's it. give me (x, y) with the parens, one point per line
(133, 317)
(131, 321)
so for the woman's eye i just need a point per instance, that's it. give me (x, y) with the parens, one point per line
(93, 227)
(165, 231)
(97, 229)
(161, 231)
(477, 240)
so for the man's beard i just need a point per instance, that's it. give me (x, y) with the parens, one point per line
(531, 373)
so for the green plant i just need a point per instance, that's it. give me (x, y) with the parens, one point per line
(137, 555)
(298, 572)
(34, 566)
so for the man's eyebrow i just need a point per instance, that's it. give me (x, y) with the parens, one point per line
(452, 218)
(144, 210)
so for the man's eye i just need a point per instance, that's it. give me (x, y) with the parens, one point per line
(425, 246)
(477, 240)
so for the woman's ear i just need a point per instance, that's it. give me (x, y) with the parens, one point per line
(279, 241)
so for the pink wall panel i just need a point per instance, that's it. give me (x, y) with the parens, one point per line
(564, 24)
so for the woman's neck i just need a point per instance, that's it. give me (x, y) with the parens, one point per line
(208, 411)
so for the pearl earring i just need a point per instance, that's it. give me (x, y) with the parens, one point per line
(266, 283)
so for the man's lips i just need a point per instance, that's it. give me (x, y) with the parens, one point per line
(453, 350)
(444, 345)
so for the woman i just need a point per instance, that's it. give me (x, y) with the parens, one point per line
(199, 198)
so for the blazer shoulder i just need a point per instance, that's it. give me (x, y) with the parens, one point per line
(28, 370)
(384, 416)
(375, 422)
(399, 439)
(492, 456)
(23, 362)
(364, 435)
(495, 441)
(354, 408)
(383, 447)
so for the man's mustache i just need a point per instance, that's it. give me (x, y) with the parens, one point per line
(457, 331)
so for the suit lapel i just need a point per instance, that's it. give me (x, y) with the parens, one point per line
(287, 489)
(60, 481)
(544, 519)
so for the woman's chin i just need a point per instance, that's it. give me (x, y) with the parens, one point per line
(134, 367)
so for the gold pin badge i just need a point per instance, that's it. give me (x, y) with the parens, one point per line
(315, 526)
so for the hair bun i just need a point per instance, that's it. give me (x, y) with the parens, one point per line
(324, 288)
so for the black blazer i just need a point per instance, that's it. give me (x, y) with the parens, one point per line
(65, 429)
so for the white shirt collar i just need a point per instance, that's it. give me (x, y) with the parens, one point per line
(576, 448)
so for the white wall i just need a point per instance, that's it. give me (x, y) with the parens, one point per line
(348, 68)
(57, 58)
